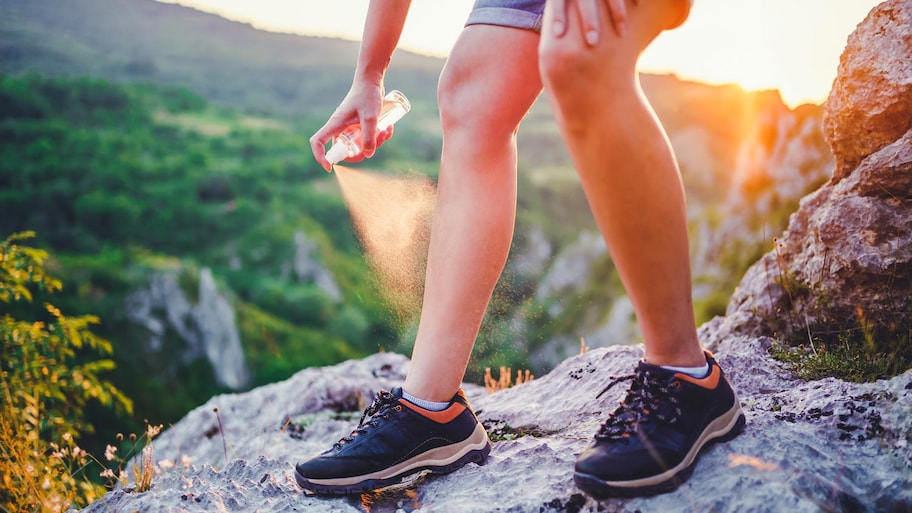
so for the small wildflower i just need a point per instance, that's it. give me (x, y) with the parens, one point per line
(68, 437)
(108, 474)
(153, 431)
(109, 452)
(165, 465)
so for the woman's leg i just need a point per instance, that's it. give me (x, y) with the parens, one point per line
(628, 170)
(488, 84)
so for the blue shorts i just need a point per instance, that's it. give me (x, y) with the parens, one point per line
(522, 14)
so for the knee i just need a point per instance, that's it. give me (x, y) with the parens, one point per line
(452, 100)
(571, 71)
(466, 111)
(562, 63)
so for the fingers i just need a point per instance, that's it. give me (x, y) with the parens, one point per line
(589, 19)
(319, 140)
(318, 145)
(359, 107)
(588, 12)
(559, 21)
(382, 137)
(618, 11)
(369, 134)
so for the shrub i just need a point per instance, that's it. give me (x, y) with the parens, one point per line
(47, 377)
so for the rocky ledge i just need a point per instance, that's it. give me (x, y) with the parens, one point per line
(809, 446)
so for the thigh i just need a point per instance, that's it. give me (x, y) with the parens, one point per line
(612, 54)
(491, 77)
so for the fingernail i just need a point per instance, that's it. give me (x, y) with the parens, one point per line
(592, 37)
(559, 27)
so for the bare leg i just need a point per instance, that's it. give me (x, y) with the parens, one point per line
(483, 96)
(628, 170)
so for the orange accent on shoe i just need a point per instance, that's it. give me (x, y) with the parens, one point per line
(709, 382)
(441, 417)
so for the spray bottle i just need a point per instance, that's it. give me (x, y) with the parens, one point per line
(348, 142)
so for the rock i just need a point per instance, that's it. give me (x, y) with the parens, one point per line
(571, 269)
(534, 256)
(206, 323)
(870, 105)
(309, 270)
(820, 445)
(846, 257)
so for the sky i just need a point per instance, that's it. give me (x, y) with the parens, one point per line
(789, 45)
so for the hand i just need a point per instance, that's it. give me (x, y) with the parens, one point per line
(360, 106)
(589, 17)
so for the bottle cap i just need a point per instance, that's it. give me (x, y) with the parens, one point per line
(337, 153)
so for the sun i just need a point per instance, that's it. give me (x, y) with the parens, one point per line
(775, 44)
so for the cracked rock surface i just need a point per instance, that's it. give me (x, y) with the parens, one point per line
(824, 445)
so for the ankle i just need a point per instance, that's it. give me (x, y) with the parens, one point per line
(689, 359)
(425, 403)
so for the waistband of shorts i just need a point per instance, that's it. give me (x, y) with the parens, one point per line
(521, 14)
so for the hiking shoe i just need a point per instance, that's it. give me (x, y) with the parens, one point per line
(650, 443)
(395, 439)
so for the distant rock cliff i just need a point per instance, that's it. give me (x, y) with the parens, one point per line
(201, 318)
(824, 445)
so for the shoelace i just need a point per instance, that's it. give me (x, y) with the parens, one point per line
(648, 398)
(378, 409)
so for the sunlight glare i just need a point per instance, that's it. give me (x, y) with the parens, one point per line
(775, 44)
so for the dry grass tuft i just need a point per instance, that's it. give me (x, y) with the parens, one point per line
(504, 381)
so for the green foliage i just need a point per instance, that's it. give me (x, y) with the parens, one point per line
(283, 348)
(48, 377)
(871, 345)
(864, 345)
(846, 356)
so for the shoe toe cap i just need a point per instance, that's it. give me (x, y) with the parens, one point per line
(619, 461)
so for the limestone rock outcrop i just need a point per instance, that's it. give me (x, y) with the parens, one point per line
(846, 256)
(808, 446)
(870, 105)
(202, 318)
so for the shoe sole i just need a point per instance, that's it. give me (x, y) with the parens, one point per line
(442, 460)
(723, 429)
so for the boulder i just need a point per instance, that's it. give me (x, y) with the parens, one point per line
(870, 105)
(845, 260)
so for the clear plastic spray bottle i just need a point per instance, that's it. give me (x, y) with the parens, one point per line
(348, 143)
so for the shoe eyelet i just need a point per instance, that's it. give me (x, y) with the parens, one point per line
(398, 408)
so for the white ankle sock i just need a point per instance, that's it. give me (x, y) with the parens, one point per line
(427, 405)
(697, 372)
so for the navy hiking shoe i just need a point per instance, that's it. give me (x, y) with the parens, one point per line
(650, 443)
(395, 439)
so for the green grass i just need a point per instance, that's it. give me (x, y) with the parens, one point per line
(874, 345)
